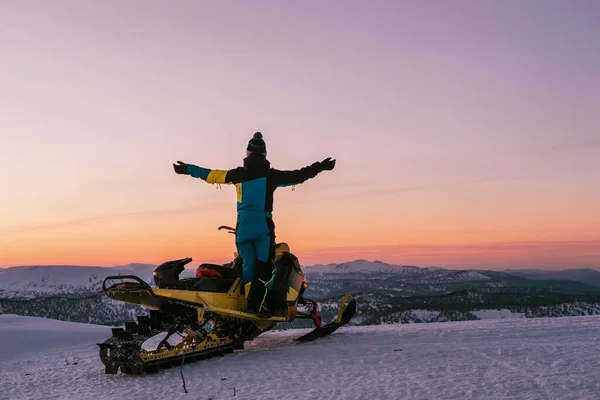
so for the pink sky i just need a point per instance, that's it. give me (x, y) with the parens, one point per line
(467, 135)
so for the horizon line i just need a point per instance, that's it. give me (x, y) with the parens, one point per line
(373, 261)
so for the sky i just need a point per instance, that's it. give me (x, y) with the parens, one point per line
(466, 133)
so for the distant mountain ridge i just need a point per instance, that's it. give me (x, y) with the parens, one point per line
(585, 275)
(385, 292)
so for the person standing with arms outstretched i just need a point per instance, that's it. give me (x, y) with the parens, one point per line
(255, 184)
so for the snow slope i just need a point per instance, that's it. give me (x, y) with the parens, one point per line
(38, 280)
(497, 314)
(33, 281)
(22, 335)
(555, 358)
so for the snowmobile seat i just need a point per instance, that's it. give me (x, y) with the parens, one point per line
(209, 277)
(208, 284)
(216, 271)
(220, 278)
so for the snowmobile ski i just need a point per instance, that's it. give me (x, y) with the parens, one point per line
(345, 314)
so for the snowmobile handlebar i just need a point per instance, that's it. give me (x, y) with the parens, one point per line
(230, 229)
(121, 277)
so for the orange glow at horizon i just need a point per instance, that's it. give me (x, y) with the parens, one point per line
(313, 237)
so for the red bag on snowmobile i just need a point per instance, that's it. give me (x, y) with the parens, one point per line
(204, 272)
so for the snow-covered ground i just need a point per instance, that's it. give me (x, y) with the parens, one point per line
(553, 358)
(49, 280)
(497, 314)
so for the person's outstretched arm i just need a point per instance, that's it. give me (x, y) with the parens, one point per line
(298, 176)
(207, 175)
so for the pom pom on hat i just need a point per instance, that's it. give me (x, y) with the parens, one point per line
(257, 144)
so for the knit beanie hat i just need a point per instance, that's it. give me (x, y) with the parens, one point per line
(257, 144)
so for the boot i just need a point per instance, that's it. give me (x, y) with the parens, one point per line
(262, 313)
(277, 303)
(255, 299)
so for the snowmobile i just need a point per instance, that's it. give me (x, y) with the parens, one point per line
(192, 319)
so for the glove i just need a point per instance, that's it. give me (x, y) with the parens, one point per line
(179, 169)
(327, 164)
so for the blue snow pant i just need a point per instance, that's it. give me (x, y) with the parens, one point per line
(255, 241)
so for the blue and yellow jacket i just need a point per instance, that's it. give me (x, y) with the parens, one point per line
(255, 182)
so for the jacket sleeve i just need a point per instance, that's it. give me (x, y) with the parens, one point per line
(295, 177)
(212, 175)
